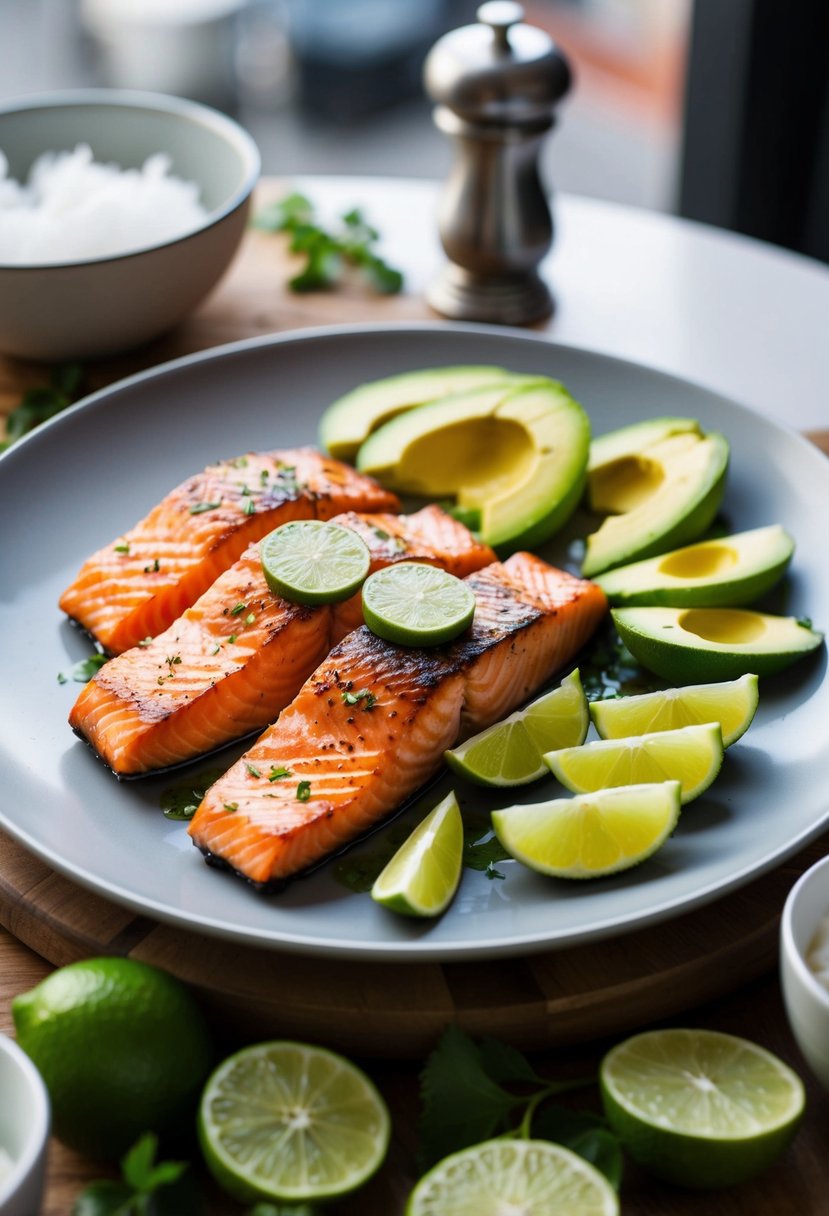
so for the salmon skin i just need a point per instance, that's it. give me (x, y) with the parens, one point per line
(371, 724)
(241, 653)
(138, 585)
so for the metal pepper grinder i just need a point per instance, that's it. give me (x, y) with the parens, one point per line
(496, 85)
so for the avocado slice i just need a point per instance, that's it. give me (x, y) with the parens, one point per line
(350, 419)
(660, 484)
(514, 455)
(693, 645)
(730, 570)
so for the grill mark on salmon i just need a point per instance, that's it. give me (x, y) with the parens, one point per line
(137, 586)
(241, 653)
(362, 760)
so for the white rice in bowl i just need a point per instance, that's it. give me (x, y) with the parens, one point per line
(74, 209)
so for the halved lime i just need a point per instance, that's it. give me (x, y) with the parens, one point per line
(732, 703)
(512, 751)
(417, 605)
(290, 1122)
(308, 561)
(700, 1108)
(592, 834)
(423, 875)
(691, 755)
(519, 1177)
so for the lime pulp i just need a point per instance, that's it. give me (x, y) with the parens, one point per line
(412, 604)
(511, 752)
(289, 1122)
(700, 1108)
(732, 703)
(423, 875)
(308, 561)
(590, 835)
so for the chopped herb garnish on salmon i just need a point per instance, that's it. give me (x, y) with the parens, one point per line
(198, 508)
(122, 548)
(231, 806)
(249, 506)
(353, 698)
(277, 773)
(145, 641)
(154, 567)
(237, 609)
(233, 638)
(252, 769)
(250, 618)
(303, 791)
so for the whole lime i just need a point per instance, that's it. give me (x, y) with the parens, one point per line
(123, 1049)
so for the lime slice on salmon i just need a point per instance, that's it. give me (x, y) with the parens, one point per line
(423, 875)
(519, 1177)
(512, 751)
(308, 561)
(732, 703)
(700, 1108)
(287, 1122)
(593, 834)
(691, 755)
(417, 605)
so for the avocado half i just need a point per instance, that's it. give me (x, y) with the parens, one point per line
(693, 645)
(659, 483)
(730, 570)
(513, 455)
(350, 419)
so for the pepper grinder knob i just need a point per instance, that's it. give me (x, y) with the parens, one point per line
(496, 85)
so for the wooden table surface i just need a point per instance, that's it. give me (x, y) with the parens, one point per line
(253, 300)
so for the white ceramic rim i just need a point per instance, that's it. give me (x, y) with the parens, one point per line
(164, 103)
(39, 1132)
(793, 954)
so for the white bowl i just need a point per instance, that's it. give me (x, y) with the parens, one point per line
(24, 1130)
(807, 1001)
(86, 309)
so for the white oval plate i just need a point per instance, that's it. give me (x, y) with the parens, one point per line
(92, 472)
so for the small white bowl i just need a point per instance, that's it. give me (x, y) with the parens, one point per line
(806, 1000)
(88, 309)
(24, 1130)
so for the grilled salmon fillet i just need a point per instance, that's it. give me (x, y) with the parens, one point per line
(370, 726)
(241, 653)
(138, 585)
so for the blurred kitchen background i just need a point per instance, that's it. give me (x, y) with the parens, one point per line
(715, 109)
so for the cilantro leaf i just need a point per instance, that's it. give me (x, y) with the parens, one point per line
(104, 1198)
(461, 1103)
(83, 670)
(586, 1134)
(505, 1063)
(181, 801)
(41, 403)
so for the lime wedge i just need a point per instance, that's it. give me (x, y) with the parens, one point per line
(692, 755)
(423, 875)
(311, 562)
(699, 1108)
(417, 605)
(290, 1122)
(512, 751)
(732, 703)
(592, 834)
(519, 1177)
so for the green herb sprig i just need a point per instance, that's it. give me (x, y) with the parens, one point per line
(473, 1091)
(40, 404)
(181, 801)
(329, 256)
(146, 1188)
(83, 670)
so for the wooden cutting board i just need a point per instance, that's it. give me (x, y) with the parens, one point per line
(382, 1009)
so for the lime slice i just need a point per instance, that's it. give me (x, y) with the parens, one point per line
(416, 605)
(732, 703)
(512, 751)
(592, 834)
(519, 1177)
(290, 1122)
(692, 755)
(423, 875)
(311, 562)
(699, 1108)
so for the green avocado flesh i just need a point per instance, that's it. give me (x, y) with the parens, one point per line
(730, 570)
(688, 645)
(513, 455)
(350, 419)
(660, 484)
